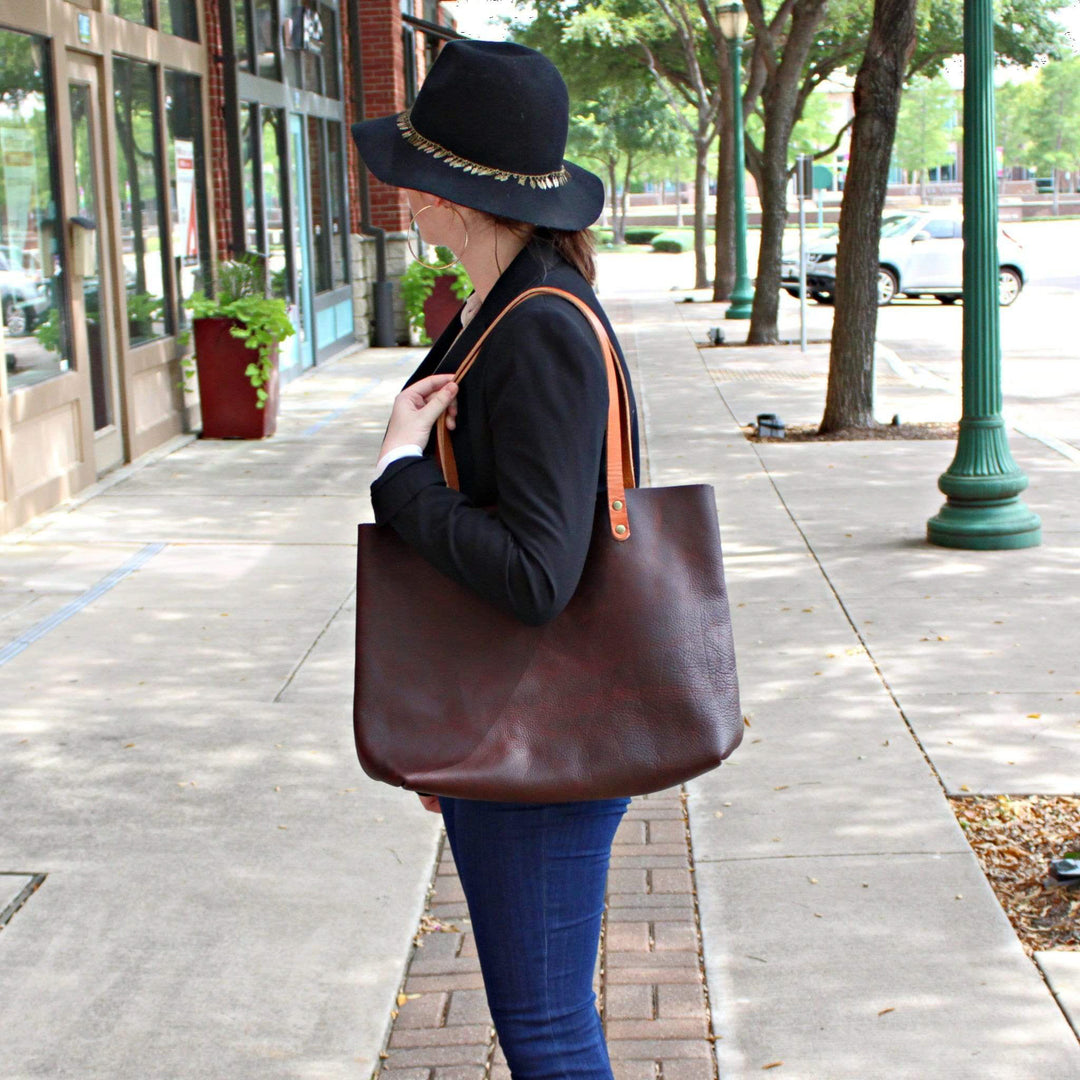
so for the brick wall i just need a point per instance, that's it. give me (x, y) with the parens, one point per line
(351, 117)
(384, 93)
(219, 158)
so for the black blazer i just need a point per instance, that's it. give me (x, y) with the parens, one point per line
(529, 442)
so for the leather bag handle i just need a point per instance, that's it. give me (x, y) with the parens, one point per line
(620, 455)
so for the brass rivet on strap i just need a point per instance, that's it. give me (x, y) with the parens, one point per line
(616, 505)
(620, 529)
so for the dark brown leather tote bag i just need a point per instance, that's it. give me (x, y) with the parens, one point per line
(630, 689)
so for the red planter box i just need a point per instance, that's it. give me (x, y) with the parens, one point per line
(226, 395)
(440, 307)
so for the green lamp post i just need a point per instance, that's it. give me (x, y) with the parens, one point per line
(983, 509)
(733, 19)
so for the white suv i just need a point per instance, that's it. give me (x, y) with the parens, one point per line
(921, 253)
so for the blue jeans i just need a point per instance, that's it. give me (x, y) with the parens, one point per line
(534, 877)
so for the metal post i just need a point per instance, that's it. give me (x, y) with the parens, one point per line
(802, 256)
(983, 510)
(742, 295)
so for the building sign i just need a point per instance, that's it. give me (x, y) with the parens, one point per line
(186, 236)
(17, 155)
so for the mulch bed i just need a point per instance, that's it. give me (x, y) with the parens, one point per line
(809, 432)
(1014, 840)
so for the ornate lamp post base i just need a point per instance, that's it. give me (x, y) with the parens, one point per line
(985, 526)
(742, 304)
(984, 511)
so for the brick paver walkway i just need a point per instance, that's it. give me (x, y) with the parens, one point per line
(650, 979)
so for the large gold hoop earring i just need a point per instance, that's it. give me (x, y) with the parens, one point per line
(412, 224)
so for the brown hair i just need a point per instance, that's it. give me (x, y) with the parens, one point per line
(578, 248)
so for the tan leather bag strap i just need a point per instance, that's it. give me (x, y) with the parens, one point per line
(620, 454)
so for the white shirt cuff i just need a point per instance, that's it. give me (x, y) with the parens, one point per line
(399, 452)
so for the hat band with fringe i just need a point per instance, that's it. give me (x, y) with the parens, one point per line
(554, 179)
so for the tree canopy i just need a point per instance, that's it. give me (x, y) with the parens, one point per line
(927, 125)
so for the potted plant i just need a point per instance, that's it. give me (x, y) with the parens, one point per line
(238, 392)
(433, 294)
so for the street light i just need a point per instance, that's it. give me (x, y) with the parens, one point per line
(733, 19)
(983, 510)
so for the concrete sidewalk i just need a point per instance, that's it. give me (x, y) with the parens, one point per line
(225, 895)
(879, 674)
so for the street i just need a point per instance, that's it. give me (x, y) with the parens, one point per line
(1040, 354)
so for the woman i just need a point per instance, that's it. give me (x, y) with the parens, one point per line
(481, 154)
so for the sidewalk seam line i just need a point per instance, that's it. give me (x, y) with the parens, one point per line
(831, 855)
(308, 651)
(699, 937)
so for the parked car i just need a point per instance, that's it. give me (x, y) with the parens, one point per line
(23, 300)
(921, 253)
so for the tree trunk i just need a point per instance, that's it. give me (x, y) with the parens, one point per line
(773, 194)
(1054, 186)
(849, 399)
(780, 102)
(724, 277)
(625, 200)
(701, 196)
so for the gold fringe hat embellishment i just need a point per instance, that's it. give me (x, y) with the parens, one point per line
(534, 180)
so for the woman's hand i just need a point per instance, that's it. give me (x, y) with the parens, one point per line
(431, 802)
(417, 408)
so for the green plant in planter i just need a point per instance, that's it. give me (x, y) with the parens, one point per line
(418, 283)
(48, 332)
(262, 322)
(142, 310)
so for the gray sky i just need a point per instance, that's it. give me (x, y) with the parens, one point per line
(481, 18)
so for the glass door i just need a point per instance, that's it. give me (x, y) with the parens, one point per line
(90, 281)
(303, 260)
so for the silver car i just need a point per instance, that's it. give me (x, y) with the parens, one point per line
(23, 300)
(921, 253)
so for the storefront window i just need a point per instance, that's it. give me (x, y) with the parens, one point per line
(266, 38)
(242, 35)
(143, 220)
(273, 142)
(248, 134)
(32, 289)
(135, 10)
(187, 185)
(408, 52)
(329, 55)
(309, 69)
(179, 17)
(338, 232)
(313, 47)
(320, 216)
(256, 23)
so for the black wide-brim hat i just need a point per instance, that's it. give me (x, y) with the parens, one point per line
(487, 130)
